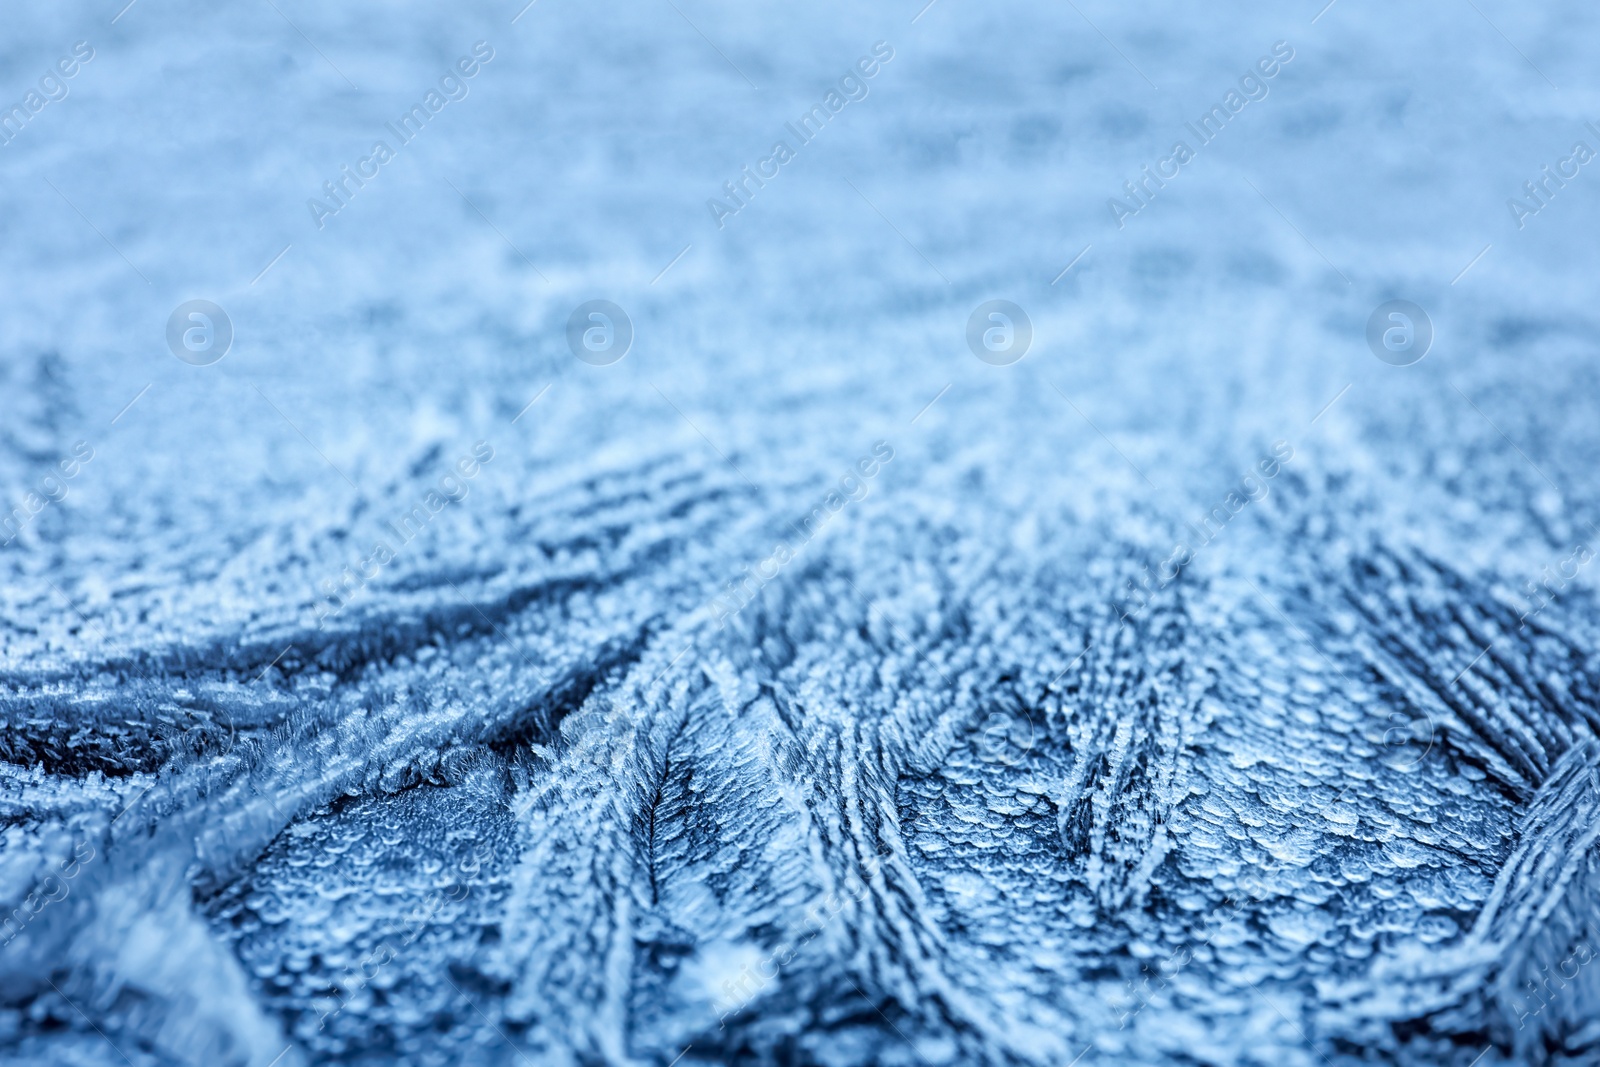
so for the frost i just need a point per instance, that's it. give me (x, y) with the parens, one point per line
(584, 769)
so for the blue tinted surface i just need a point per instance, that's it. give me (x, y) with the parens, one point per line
(706, 533)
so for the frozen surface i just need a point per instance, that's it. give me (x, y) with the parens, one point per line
(957, 778)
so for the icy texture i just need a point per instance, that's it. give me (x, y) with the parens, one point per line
(1332, 796)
